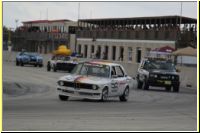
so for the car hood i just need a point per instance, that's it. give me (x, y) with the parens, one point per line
(62, 61)
(35, 56)
(163, 72)
(85, 79)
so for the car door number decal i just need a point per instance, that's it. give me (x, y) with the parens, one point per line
(114, 85)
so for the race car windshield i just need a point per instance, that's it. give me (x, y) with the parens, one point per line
(163, 65)
(92, 70)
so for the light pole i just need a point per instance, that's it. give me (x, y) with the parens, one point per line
(16, 21)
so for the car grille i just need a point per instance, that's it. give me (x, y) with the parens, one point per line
(65, 66)
(33, 60)
(77, 85)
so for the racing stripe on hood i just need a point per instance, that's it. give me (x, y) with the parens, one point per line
(79, 79)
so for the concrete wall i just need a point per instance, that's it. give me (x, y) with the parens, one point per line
(72, 42)
(188, 75)
(144, 45)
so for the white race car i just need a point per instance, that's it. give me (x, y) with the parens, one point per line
(95, 80)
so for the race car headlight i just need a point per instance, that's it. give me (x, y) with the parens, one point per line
(155, 76)
(94, 87)
(61, 83)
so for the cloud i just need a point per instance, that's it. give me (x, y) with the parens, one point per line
(24, 11)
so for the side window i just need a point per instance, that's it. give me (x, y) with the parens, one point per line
(113, 72)
(119, 71)
(84, 70)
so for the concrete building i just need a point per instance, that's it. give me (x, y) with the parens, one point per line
(61, 25)
(44, 36)
(130, 39)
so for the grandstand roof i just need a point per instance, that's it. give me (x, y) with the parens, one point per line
(142, 20)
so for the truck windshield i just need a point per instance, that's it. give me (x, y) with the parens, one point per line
(163, 65)
(92, 70)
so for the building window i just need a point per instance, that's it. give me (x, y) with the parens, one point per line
(113, 52)
(85, 51)
(105, 53)
(130, 52)
(92, 49)
(98, 52)
(138, 54)
(79, 49)
(121, 54)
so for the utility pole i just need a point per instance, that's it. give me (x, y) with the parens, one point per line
(47, 13)
(181, 14)
(16, 21)
(78, 25)
(78, 10)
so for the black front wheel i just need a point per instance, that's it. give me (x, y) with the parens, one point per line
(17, 63)
(104, 96)
(21, 63)
(54, 69)
(48, 67)
(63, 98)
(40, 65)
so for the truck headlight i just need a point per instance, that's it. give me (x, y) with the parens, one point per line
(153, 75)
(94, 87)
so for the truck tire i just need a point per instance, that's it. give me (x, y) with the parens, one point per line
(125, 95)
(40, 65)
(145, 85)
(35, 65)
(168, 88)
(139, 85)
(175, 88)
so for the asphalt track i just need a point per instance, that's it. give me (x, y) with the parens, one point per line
(30, 103)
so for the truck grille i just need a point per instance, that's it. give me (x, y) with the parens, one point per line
(168, 77)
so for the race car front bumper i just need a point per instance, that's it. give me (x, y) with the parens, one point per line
(79, 93)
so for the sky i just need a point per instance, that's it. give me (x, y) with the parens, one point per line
(14, 13)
